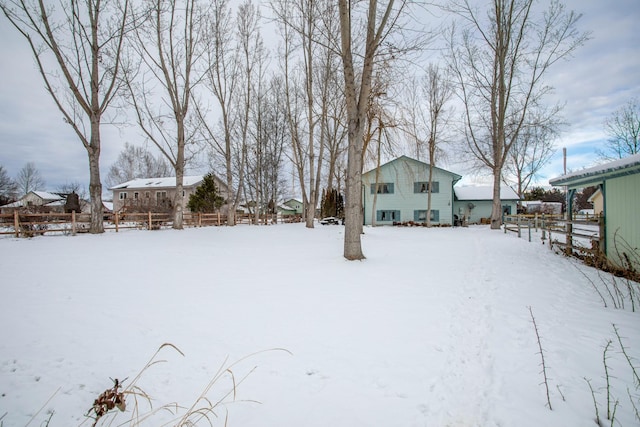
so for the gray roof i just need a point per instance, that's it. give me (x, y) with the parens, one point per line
(627, 166)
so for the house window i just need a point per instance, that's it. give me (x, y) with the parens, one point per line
(421, 215)
(423, 187)
(161, 195)
(382, 188)
(135, 195)
(123, 195)
(147, 194)
(387, 215)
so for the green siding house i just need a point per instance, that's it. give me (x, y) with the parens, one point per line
(619, 183)
(473, 203)
(397, 192)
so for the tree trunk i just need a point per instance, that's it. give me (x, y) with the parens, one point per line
(428, 214)
(178, 201)
(353, 196)
(496, 212)
(95, 186)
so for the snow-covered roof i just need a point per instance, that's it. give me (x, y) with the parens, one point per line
(484, 192)
(167, 182)
(45, 195)
(619, 167)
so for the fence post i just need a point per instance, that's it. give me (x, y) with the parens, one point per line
(518, 221)
(73, 223)
(529, 227)
(569, 239)
(218, 218)
(199, 219)
(115, 217)
(149, 223)
(16, 223)
(601, 235)
(536, 222)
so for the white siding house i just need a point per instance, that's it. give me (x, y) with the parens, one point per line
(397, 192)
(150, 193)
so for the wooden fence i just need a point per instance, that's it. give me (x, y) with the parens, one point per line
(32, 224)
(581, 234)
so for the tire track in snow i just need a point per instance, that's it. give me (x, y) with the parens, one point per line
(469, 370)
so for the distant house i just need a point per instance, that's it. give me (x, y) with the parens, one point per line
(619, 184)
(397, 192)
(476, 202)
(157, 193)
(53, 202)
(598, 202)
(293, 207)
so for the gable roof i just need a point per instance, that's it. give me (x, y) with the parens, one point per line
(404, 158)
(617, 168)
(483, 192)
(167, 182)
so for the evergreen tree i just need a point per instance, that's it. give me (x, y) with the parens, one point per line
(332, 204)
(206, 197)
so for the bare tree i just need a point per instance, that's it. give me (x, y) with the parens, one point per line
(437, 91)
(83, 78)
(378, 22)
(533, 147)
(499, 59)
(623, 129)
(8, 187)
(251, 60)
(306, 28)
(29, 179)
(169, 36)
(137, 162)
(222, 79)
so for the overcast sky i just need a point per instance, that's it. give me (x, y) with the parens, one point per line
(600, 78)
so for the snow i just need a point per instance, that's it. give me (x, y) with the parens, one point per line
(612, 166)
(432, 329)
(477, 192)
(158, 182)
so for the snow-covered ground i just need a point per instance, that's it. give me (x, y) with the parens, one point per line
(432, 329)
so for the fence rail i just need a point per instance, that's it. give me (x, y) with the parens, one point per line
(32, 224)
(580, 234)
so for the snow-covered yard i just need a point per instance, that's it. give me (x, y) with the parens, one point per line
(432, 329)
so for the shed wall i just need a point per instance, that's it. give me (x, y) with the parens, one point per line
(622, 213)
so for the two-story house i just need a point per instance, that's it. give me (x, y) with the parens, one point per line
(397, 192)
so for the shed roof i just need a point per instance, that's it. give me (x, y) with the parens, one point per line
(627, 166)
(483, 192)
(167, 182)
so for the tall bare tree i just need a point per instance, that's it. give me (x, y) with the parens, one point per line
(306, 29)
(250, 59)
(500, 58)
(169, 42)
(221, 79)
(436, 91)
(77, 50)
(623, 129)
(29, 179)
(379, 20)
